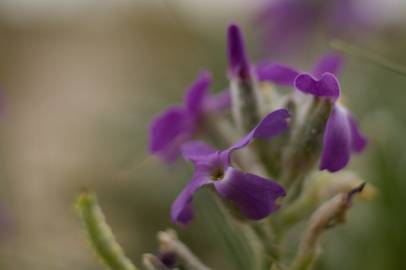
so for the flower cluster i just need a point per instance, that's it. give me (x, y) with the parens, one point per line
(290, 140)
(334, 132)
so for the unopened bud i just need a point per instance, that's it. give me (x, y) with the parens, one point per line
(320, 187)
(245, 93)
(151, 262)
(329, 214)
(169, 244)
(305, 146)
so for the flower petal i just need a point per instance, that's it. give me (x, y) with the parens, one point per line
(336, 141)
(182, 208)
(219, 102)
(194, 150)
(285, 24)
(168, 131)
(271, 125)
(326, 86)
(330, 63)
(197, 93)
(254, 196)
(358, 140)
(276, 73)
(237, 60)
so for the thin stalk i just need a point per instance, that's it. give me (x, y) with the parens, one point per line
(169, 243)
(267, 240)
(368, 56)
(100, 235)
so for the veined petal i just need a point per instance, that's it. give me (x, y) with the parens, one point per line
(330, 63)
(182, 208)
(253, 195)
(358, 140)
(276, 73)
(168, 132)
(336, 141)
(197, 93)
(195, 150)
(218, 102)
(237, 60)
(327, 86)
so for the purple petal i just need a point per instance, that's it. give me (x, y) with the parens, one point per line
(326, 86)
(330, 63)
(348, 17)
(218, 102)
(194, 150)
(254, 196)
(276, 73)
(240, 144)
(358, 140)
(285, 24)
(237, 60)
(182, 208)
(197, 93)
(272, 125)
(168, 131)
(336, 141)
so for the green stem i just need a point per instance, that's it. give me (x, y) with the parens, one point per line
(238, 237)
(304, 262)
(100, 235)
(368, 56)
(267, 239)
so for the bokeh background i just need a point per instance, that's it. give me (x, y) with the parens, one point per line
(80, 80)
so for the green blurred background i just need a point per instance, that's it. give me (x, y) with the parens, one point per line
(82, 79)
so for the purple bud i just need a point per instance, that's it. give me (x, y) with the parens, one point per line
(237, 60)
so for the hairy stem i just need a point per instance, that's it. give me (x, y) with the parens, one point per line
(100, 235)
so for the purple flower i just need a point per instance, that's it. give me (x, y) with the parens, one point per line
(254, 196)
(281, 74)
(178, 124)
(342, 135)
(284, 23)
(287, 24)
(276, 73)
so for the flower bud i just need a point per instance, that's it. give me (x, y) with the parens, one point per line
(152, 262)
(245, 93)
(329, 214)
(320, 187)
(170, 244)
(305, 146)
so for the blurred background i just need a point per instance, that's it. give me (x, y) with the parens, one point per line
(81, 80)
